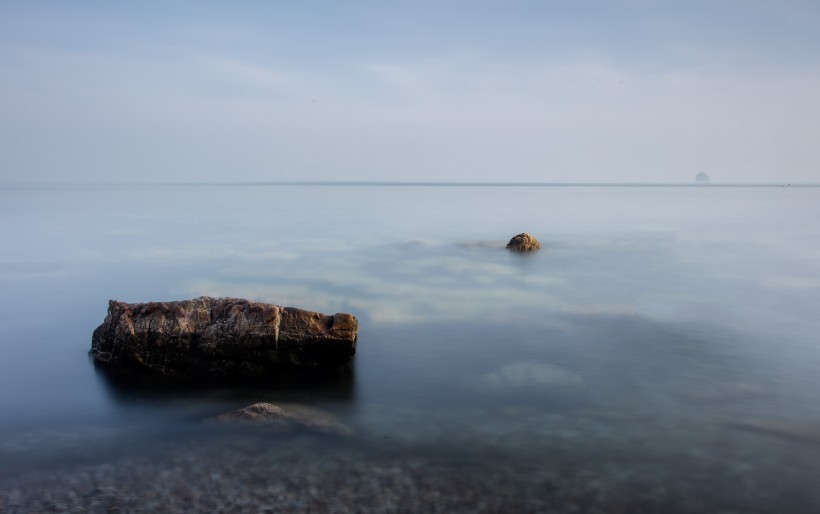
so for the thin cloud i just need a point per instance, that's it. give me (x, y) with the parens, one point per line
(250, 74)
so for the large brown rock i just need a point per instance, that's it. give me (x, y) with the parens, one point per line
(219, 338)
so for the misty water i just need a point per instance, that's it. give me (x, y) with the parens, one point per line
(660, 353)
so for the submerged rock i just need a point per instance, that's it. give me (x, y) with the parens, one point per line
(795, 431)
(219, 338)
(518, 375)
(295, 417)
(523, 242)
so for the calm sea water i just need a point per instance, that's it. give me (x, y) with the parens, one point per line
(664, 335)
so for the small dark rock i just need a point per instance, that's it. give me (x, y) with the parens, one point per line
(261, 412)
(523, 242)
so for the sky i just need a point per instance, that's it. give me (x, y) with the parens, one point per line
(482, 90)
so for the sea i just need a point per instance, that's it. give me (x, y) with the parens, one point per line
(660, 353)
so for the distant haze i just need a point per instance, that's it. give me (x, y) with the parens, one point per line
(589, 91)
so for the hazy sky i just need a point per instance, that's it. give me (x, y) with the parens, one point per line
(567, 91)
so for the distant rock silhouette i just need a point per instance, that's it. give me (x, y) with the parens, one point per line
(702, 178)
(523, 242)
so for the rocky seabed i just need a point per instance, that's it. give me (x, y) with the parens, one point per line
(255, 472)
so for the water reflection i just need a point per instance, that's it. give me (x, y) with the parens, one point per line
(330, 386)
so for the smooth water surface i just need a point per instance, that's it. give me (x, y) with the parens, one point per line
(659, 354)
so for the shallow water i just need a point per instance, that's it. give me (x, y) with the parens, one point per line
(659, 354)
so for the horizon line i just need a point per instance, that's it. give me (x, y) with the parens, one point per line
(423, 183)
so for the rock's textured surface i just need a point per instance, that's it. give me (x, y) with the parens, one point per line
(219, 338)
(295, 417)
(523, 242)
